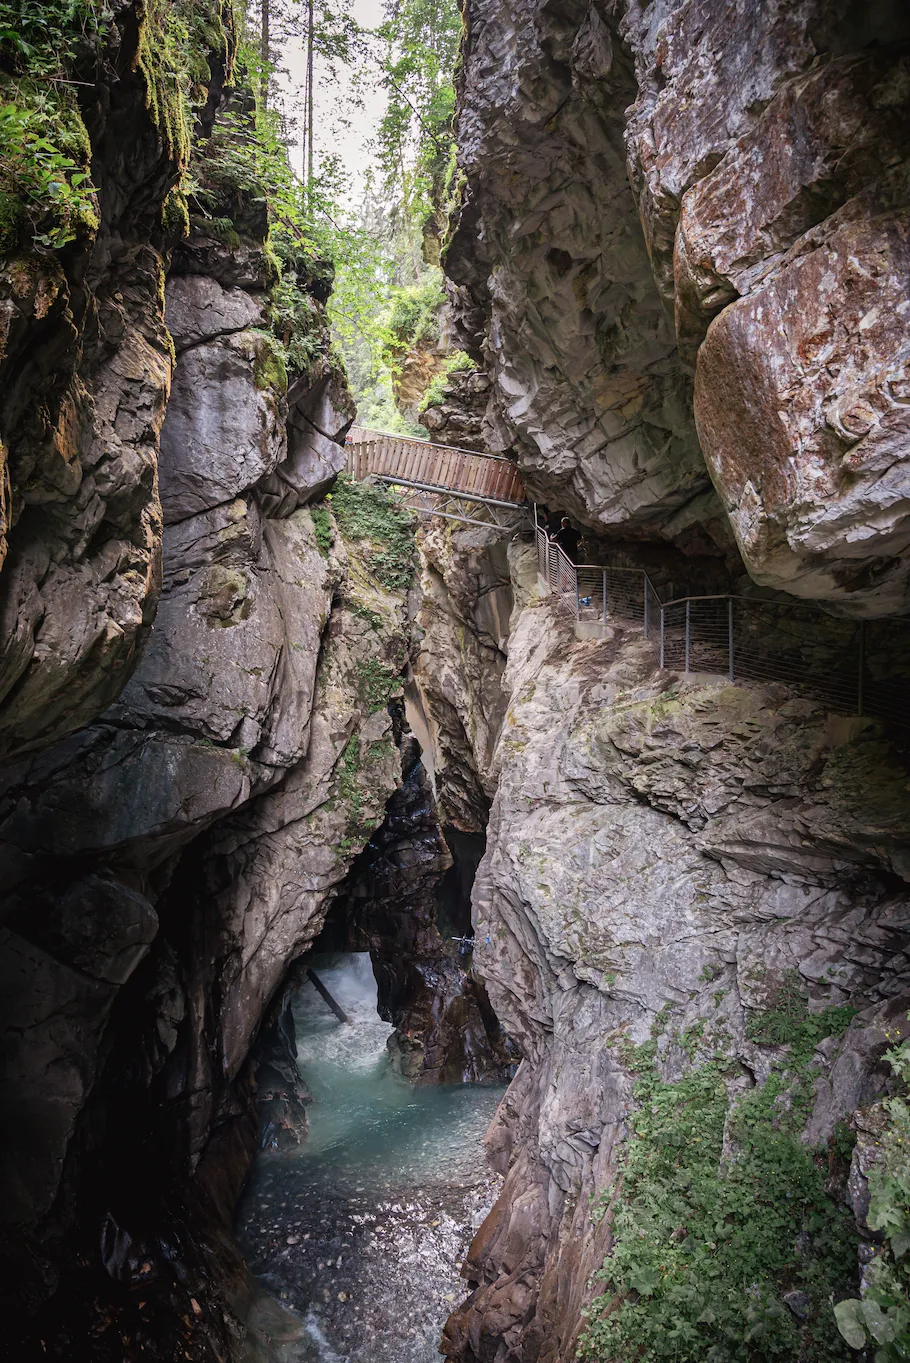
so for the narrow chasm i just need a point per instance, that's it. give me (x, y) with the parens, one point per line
(454, 649)
(371, 1180)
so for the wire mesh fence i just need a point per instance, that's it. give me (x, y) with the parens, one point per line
(855, 667)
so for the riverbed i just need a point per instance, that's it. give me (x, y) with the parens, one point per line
(361, 1231)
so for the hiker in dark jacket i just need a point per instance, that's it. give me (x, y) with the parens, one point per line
(568, 539)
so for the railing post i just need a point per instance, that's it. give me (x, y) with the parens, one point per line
(862, 667)
(688, 631)
(730, 634)
(645, 612)
(605, 596)
(661, 638)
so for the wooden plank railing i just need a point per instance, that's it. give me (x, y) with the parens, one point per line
(420, 463)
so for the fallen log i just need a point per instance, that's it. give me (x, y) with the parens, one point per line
(336, 1008)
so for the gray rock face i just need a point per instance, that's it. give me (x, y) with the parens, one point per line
(587, 384)
(458, 418)
(200, 308)
(655, 857)
(59, 982)
(746, 176)
(225, 425)
(458, 704)
(85, 365)
(245, 715)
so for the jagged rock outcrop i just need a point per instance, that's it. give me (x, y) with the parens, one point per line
(747, 173)
(663, 858)
(165, 865)
(457, 706)
(457, 417)
(86, 370)
(408, 902)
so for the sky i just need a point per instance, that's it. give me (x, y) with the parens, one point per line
(340, 126)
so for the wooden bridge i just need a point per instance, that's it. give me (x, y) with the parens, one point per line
(440, 480)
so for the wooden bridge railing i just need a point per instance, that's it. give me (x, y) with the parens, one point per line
(421, 464)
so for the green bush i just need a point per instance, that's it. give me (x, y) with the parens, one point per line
(414, 315)
(42, 187)
(883, 1313)
(322, 529)
(365, 512)
(456, 363)
(39, 36)
(720, 1213)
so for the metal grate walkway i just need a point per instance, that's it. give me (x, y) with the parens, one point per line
(440, 480)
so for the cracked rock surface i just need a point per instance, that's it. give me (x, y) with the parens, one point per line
(660, 853)
(682, 252)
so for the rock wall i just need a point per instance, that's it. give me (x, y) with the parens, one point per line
(665, 856)
(86, 365)
(166, 863)
(407, 900)
(457, 418)
(682, 252)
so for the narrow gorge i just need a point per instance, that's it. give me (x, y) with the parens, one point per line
(610, 883)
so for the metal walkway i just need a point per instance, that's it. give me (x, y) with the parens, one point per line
(440, 480)
(854, 667)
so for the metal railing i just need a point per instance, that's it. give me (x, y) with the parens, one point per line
(855, 667)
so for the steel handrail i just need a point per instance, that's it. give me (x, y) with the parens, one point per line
(441, 489)
(696, 645)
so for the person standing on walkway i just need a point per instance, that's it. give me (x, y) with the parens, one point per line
(568, 539)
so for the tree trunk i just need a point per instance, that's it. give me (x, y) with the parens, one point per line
(264, 51)
(310, 92)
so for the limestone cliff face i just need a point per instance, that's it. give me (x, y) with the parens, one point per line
(682, 251)
(663, 858)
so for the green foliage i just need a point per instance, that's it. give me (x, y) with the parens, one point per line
(416, 134)
(372, 618)
(413, 316)
(883, 1313)
(348, 785)
(717, 1214)
(376, 684)
(41, 36)
(41, 187)
(269, 368)
(789, 1022)
(389, 293)
(45, 187)
(457, 362)
(46, 193)
(297, 323)
(175, 216)
(323, 529)
(367, 513)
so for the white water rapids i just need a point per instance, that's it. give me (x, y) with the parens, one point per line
(360, 1232)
